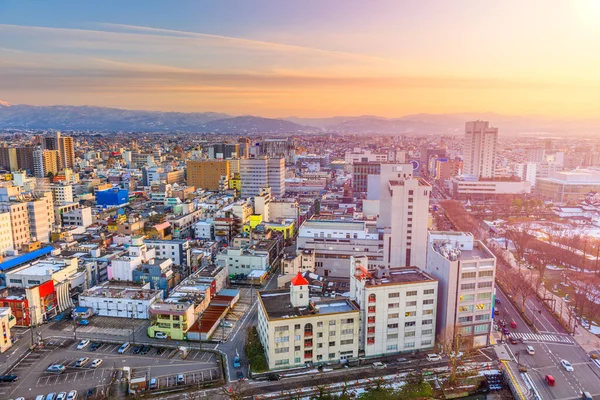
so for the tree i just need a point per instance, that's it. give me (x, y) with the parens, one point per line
(522, 238)
(452, 343)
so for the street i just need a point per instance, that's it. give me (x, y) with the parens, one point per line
(551, 344)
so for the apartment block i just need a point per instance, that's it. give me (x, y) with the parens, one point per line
(6, 240)
(45, 162)
(19, 220)
(258, 173)
(398, 308)
(207, 175)
(295, 330)
(480, 149)
(465, 269)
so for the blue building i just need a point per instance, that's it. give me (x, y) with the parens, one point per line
(113, 197)
(160, 275)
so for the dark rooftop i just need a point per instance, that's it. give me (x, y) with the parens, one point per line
(277, 305)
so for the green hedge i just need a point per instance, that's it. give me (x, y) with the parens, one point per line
(255, 352)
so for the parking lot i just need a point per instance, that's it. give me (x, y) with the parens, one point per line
(159, 362)
(235, 314)
(106, 327)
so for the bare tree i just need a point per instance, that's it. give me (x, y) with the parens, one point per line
(452, 343)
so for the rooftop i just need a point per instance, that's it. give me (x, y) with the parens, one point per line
(392, 276)
(277, 305)
(333, 224)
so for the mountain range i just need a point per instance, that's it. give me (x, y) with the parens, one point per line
(114, 119)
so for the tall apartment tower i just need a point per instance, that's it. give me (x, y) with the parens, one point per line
(465, 269)
(244, 143)
(8, 159)
(65, 147)
(19, 221)
(44, 162)
(25, 158)
(480, 149)
(404, 214)
(257, 173)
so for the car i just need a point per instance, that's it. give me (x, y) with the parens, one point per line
(95, 346)
(82, 361)
(145, 350)
(567, 365)
(523, 340)
(379, 365)
(72, 395)
(20, 398)
(137, 349)
(239, 374)
(226, 324)
(586, 396)
(8, 378)
(505, 331)
(180, 379)
(160, 350)
(40, 397)
(496, 311)
(62, 396)
(236, 362)
(160, 335)
(83, 344)
(549, 380)
(455, 355)
(51, 396)
(83, 322)
(530, 350)
(274, 377)
(402, 360)
(498, 301)
(96, 363)
(153, 384)
(56, 368)
(434, 357)
(124, 347)
(512, 340)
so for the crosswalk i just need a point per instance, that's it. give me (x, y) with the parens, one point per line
(542, 338)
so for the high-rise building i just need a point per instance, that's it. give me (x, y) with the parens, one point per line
(41, 217)
(527, 172)
(65, 147)
(19, 221)
(25, 158)
(45, 162)
(465, 269)
(224, 151)
(207, 175)
(62, 193)
(6, 241)
(244, 143)
(480, 149)
(8, 159)
(257, 173)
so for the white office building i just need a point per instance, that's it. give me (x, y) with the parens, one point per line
(480, 149)
(257, 173)
(397, 308)
(465, 269)
(121, 269)
(6, 242)
(114, 300)
(243, 261)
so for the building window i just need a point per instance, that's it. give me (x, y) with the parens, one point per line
(411, 303)
(411, 293)
(297, 348)
(282, 339)
(427, 312)
(425, 342)
(465, 320)
(410, 314)
(331, 355)
(393, 316)
(469, 275)
(482, 285)
(409, 345)
(282, 350)
(426, 332)
(481, 328)
(467, 286)
(409, 334)
(483, 274)
(464, 298)
(285, 362)
(392, 326)
(484, 296)
(392, 295)
(410, 323)
(482, 317)
(427, 322)
(392, 336)
(393, 305)
(345, 342)
(279, 328)
(428, 291)
(392, 347)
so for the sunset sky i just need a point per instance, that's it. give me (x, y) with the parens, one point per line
(305, 58)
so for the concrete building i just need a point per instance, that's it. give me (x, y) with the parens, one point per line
(177, 250)
(397, 308)
(527, 172)
(257, 173)
(124, 300)
(121, 268)
(81, 217)
(207, 175)
(364, 155)
(463, 188)
(242, 261)
(25, 158)
(224, 151)
(7, 321)
(565, 186)
(45, 162)
(41, 217)
(8, 159)
(360, 173)
(295, 330)
(6, 239)
(65, 147)
(19, 220)
(300, 261)
(172, 318)
(465, 269)
(480, 149)
(62, 193)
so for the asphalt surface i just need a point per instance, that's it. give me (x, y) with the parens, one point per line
(551, 344)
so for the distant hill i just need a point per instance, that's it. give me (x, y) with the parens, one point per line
(114, 119)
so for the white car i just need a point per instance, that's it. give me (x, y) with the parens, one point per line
(567, 365)
(226, 324)
(434, 357)
(72, 395)
(454, 355)
(379, 365)
(56, 368)
(82, 345)
(61, 396)
(160, 335)
(96, 363)
(81, 362)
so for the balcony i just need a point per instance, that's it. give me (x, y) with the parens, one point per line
(371, 320)
(371, 329)
(370, 341)
(308, 334)
(308, 344)
(371, 309)
(308, 354)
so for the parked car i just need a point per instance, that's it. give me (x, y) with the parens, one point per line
(83, 344)
(226, 324)
(274, 377)
(96, 363)
(379, 365)
(137, 349)
(40, 397)
(95, 346)
(180, 379)
(51, 396)
(153, 384)
(56, 368)
(586, 396)
(72, 395)
(82, 361)
(160, 335)
(62, 396)
(145, 350)
(8, 378)
(124, 347)
(83, 322)
(160, 350)
(434, 357)
(567, 365)
(239, 374)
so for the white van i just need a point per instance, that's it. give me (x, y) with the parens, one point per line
(530, 350)
(124, 347)
(434, 357)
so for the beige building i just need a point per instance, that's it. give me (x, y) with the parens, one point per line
(258, 173)
(7, 321)
(19, 220)
(45, 162)
(6, 241)
(62, 193)
(480, 149)
(41, 217)
(295, 330)
(565, 186)
(207, 174)
(397, 307)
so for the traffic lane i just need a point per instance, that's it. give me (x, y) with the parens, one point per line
(562, 388)
(509, 313)
(576, 357)
(548, 321)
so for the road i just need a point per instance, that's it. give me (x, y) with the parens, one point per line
(551, 344)
(237, 338)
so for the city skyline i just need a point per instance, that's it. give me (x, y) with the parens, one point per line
(307, 60)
